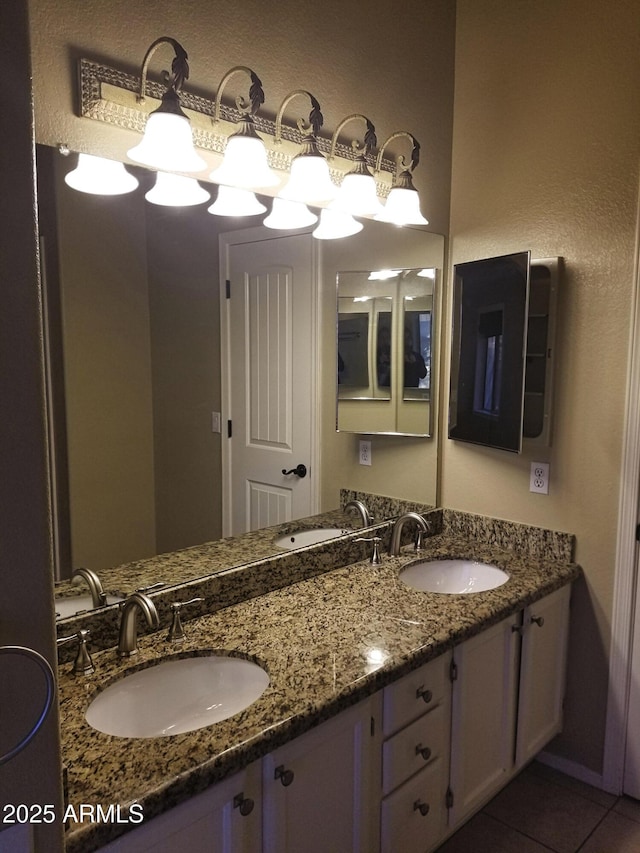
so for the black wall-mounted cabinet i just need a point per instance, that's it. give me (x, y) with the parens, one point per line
(502, 351)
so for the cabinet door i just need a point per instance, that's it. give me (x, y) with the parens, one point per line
(320, 790)
(483, 717)
(227, 818)
(542, 673)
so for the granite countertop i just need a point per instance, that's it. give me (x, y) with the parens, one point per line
(313, 638)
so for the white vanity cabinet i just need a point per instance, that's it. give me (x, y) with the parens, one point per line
(318, 790)
(401, 770)
(226, 818)
(415, 759)
(506, 700)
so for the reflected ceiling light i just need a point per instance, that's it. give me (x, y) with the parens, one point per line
(167, 143)
(245, 162)
(357, 194)
(176, 191)
(334, 224)
(427, 273)
(98, 176)
(403, 203)
(310, 180)
(232, 201)
(288, 215)
(383, 275)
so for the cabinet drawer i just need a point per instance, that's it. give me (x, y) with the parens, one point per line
(412, 748)
(404, 827)
(416, 693)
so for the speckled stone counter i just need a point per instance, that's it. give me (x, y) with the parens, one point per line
(312, 637)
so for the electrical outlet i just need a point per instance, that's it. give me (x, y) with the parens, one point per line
(539, 478)
(215, 422)
(365, 453)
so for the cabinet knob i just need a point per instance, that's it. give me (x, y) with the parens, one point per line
(285, 776)
(424, 751)
(421, 807)
(539, 620)
(245, 804)
(425, 694)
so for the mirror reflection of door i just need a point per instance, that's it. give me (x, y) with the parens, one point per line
(270, 378)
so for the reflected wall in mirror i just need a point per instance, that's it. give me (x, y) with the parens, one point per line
(133, 330)
(385, 322)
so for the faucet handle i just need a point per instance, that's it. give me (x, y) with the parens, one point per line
(176, 631)
(83, 664)
(145, 589)
(376, 559)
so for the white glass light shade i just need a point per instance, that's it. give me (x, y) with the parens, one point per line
(167, 144)
(334, 224)
(402, 208)
(176, 191)
(357, 195)
(245, 164)
(287, 215)
(236, 202)
(309, 181)
(100, 177)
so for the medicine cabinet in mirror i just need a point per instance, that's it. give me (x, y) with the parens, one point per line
(502, 351)
(385, 325)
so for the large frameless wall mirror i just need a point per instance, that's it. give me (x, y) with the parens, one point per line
(384, 330)
(133, 330)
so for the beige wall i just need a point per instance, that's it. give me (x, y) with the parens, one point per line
(545, 157)
(107, 366)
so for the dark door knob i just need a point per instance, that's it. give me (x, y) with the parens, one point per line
(300, 471)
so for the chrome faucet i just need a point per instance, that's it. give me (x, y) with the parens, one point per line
(363, 512)
(92, 580)
(137, 602)
(396, 535)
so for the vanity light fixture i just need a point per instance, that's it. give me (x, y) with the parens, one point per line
(245, 164)
(176, 191)
(358, 193)
(403, 203)
(98, 176)
(232, 201)
(288, 215)
(167, 143)
(335, 224)
(310, 179)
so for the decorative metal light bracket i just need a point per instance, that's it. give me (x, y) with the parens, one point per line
(112, 96)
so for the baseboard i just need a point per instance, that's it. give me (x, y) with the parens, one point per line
(573, 769)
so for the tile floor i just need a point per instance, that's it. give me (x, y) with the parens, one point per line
(543, 810)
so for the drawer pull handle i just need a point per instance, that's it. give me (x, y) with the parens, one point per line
(424, 751)
(539, 620)
(425, 694)
(245, 804)
(421, 807)
(285, 776)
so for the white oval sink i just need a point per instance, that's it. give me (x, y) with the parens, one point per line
(300, 538)
(177, 696)
(71, 604)
(455, 577)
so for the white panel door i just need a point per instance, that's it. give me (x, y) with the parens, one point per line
(270, 388)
